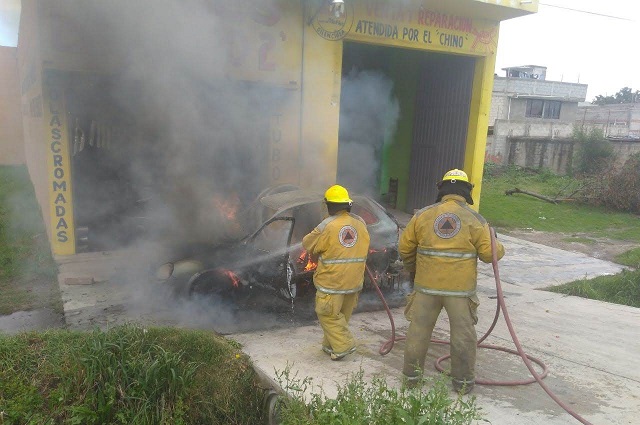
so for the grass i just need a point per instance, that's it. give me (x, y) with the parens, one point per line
(630, 258)
(128, 375)
(523, 211)
(27, 271)
(623, 288)
(374, 403)
(520, 211)
(132, 375)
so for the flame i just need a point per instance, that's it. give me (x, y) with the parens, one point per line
(235, 280)
(305, 259)
(228, 206)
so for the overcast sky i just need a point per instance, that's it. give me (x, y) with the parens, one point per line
(575, 46)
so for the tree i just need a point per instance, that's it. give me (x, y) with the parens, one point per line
(625, 95)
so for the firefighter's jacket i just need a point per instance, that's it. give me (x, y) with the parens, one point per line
(341, 244)
(442, 243)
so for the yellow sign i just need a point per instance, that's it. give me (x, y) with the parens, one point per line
(59, 170)
(408, 25)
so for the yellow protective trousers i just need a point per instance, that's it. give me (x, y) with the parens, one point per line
(422, 311)
(334, 312)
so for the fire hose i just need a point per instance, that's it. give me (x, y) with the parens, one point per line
(528, 360)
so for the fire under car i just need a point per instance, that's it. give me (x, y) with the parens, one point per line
(271, 259)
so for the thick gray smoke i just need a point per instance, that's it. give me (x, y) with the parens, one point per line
(193, 141)
(369, 113)
(196, 140)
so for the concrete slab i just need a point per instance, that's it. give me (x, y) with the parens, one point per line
(539, 266)
(590, 347)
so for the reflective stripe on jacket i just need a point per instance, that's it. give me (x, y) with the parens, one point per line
(341, 244)
(442, 243)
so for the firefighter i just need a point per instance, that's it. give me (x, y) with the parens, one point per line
(440, 247)
(340, 245)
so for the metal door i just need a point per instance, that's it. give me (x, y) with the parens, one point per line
(441, 122)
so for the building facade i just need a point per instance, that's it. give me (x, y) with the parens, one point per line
(620, 124)
(532, 119)
(196, 106)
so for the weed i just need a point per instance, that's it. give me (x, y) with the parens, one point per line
(360, 403)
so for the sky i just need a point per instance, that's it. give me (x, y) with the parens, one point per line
(575, 46)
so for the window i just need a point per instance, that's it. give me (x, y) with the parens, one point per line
(538, 108)
(534, 108)
(552, 109)
(365, 214)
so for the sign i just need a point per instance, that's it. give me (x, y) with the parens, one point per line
(59, 167)
(407, 25)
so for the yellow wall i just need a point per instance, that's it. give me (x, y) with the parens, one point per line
(11, 139)
(401, 24)
(30, 74)
(296, 49)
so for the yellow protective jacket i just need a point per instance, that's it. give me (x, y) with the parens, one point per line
(341, 244)
(442, 243)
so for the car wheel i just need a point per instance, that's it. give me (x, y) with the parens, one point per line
(210, 284)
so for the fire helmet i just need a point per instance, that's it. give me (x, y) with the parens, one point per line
(455, 175)
(337, 195)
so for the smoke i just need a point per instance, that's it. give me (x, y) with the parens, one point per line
(191, 140)
(369, 113)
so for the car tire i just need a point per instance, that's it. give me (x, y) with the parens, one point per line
(209, 284)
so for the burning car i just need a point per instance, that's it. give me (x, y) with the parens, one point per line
(271, 257)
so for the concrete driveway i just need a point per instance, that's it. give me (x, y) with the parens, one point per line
(591, 348)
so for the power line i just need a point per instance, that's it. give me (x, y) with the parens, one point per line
(586, 11)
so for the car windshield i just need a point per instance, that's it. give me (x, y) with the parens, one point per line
(308, 210)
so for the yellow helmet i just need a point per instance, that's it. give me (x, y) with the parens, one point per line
(338, 195)
(456, 175)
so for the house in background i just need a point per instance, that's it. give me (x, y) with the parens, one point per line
(620, 124)
(531, 119)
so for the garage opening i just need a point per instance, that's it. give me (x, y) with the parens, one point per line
(146, 169)
(404, 117)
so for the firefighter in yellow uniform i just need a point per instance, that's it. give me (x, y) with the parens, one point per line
(441, 245)
(340, 244)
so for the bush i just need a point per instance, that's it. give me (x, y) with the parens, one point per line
(595, 153)
(616, 189)
(622, 191)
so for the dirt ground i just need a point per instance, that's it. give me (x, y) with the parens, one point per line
(601, 248)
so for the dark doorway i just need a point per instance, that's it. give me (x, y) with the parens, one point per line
(404, 117)
(443, 101)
